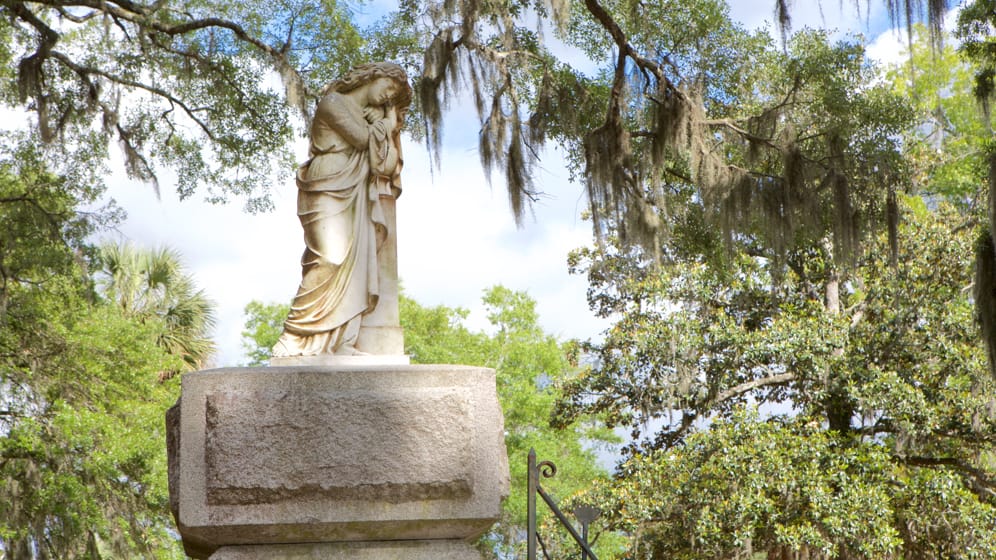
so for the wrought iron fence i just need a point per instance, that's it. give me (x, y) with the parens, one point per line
(585, 514)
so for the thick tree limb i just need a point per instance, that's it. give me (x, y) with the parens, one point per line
(751, 385)
(982, 481)
(99, 5)
(626, 49)
(690, 415)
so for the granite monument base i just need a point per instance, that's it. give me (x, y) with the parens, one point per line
(394, 550)
(336, 461)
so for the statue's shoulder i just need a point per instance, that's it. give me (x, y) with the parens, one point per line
(340, 106)
(335, 97)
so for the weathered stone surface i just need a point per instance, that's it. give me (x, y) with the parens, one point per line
(173, 457)
(384, 358)
(398, 550)
(280, 444)
(382, 341)
(323, 454)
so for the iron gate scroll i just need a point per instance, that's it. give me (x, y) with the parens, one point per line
(585, 514)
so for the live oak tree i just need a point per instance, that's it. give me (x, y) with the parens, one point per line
(875, 436)
(803, 404)
(178, 85)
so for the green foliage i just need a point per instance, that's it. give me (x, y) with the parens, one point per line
(949, 150)
(747, 484)
(977, 31)
(82, 461)
(153, 285)
(264, 323)
(874, 391)
(84, 467)
(529, 363)
(436, 335)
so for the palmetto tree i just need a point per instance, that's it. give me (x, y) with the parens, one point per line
(153, 284)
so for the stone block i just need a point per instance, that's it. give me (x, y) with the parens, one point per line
(329, 454)
(342, 362)
(397, 550)
(381, 341)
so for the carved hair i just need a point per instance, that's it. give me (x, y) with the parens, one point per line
(366, 73)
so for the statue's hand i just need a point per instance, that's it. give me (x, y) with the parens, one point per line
(373, 114)
(391, 114)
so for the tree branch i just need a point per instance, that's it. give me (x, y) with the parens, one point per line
(126, 6)
(85, 71)
(205, 23)
(981, 479)
(77, 19)
(627, 50)
(233, 86)
(728, 123)
(751, 385)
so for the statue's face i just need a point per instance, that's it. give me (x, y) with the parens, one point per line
(382, 91)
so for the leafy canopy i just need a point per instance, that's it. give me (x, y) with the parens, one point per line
(785, 401)
(82, 462)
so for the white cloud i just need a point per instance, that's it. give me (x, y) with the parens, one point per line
(889, 47)
(841, 17)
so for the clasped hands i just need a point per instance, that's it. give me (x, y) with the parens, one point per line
(376, 113)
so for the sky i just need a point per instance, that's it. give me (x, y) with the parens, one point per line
(456, 234)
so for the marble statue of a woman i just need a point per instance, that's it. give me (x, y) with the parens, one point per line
(354, 166)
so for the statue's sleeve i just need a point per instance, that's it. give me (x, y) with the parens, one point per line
(341, 115)
(385, 156)
(396, 179)
(380, 144)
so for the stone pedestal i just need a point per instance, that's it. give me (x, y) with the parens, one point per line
(344, 458)
(395, 550)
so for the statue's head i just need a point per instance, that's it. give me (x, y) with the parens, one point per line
(366, 73)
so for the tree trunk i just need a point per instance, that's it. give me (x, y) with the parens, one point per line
(839, 408)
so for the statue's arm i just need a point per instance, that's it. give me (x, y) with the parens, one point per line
(384, 140)
(334, 112)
